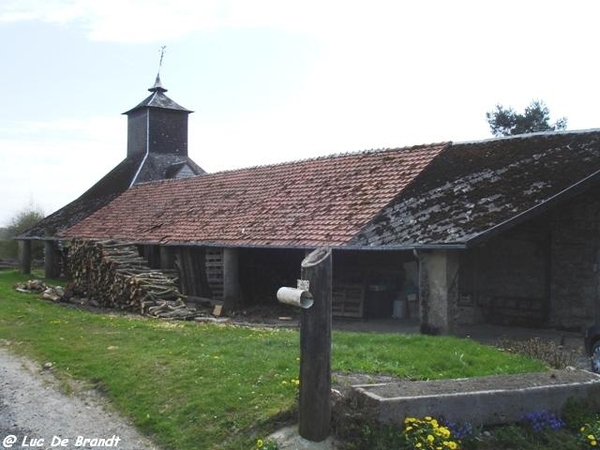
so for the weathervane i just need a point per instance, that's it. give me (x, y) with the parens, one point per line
(162, 54)
(157, 84)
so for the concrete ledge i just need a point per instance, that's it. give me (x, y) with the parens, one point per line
(489, 400)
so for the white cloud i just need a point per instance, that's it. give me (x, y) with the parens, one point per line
(159, 20)
(56, 161)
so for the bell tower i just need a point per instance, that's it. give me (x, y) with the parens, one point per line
(157, 125)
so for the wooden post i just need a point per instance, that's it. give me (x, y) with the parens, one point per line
(231, 279)
(25, 256)
(49, 259)
(167, 257)
(315, 349)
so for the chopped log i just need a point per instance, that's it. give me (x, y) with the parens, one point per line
(114, 275)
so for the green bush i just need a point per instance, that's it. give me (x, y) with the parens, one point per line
(23, 220)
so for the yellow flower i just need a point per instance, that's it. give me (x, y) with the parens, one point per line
(591, 437)
(593, 443)
(259, 443)
(444, 432)
(430, 438)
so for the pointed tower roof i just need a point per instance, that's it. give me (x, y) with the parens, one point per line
(158, 87)
(158, 99)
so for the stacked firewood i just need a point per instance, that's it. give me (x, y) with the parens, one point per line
(114, 275)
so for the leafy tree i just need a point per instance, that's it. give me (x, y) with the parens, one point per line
(507, 122)
(23, 220)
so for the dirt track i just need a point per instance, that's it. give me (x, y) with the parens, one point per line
(32, 408)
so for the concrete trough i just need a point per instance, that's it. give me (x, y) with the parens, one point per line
(491, 400)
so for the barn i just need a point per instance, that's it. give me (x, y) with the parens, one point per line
(502, 231)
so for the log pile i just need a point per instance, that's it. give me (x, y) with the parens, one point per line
(30, 286)
(52, 293)
(115, 276)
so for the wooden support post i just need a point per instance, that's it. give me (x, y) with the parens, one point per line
(25, 256)
(167, 257)
(50, 259)
(315, 349)
(231, 279)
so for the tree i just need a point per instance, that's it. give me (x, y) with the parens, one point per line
(23, 220)
(507, 122)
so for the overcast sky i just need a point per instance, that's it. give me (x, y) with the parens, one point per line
(274, 80)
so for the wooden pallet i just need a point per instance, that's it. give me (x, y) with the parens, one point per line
(348, 299)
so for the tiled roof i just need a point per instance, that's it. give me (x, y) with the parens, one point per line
(474, 189)
(131, 170)
(323, 201)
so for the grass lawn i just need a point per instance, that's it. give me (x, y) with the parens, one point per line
(204, 386)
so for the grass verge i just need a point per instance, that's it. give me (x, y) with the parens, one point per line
(207, 386)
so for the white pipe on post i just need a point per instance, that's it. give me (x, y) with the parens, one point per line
(295, 297)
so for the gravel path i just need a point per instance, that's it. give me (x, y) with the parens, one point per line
(33, 409)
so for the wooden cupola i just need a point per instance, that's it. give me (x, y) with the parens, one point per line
(157, 125)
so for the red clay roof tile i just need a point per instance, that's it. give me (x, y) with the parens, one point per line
(323, 201)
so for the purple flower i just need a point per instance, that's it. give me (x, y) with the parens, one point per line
(458, 430)
(540, 420)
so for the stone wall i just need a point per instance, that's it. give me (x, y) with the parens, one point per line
(506, 281)
(438, 290)
(544, 272)
(575, 261)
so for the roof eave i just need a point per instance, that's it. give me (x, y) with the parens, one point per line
(297, 246)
